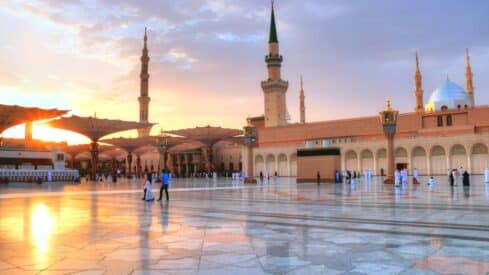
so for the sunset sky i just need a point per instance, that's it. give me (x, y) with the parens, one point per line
(207, 57)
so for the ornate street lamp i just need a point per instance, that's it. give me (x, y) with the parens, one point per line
(250, 140)
(388, 119)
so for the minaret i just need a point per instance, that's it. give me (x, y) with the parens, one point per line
(302, 104)
(274, 88)
(418, 89)
(143, 96)
(468, 77)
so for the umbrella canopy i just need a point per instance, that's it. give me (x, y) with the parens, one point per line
(131, 144)
(208, 135)
(11, 115)
(96, 128)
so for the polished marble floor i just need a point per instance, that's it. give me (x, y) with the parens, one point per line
(225, 227)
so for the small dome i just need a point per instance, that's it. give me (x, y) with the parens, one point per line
(448, 96)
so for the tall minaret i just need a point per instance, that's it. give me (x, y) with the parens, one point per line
(143, 98)
(274, 88)
(418, 89)
(468, 77)
(302, 104)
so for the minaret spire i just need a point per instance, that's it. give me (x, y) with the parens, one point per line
(418, 87)
(274, 88)
(143, 98)
(302, 103)
(468, 77)
(273, 38)
(145, 37)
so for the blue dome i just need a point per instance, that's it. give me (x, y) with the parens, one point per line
(449, 95)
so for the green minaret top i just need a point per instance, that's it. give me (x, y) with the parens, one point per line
(273, 29)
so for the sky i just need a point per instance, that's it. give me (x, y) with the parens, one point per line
(207, 56)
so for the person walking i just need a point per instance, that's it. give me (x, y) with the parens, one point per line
(465, 179)
(451, 178)
(146, 186)
(318, 176)
(165, 178)
(455, 176)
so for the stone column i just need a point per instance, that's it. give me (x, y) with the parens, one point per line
(250, 179)
(129, 165)
(28, 133)
(389, 136)
(179, 163)
(72, 161)
(113, 165)
(375, 164)
(187, 164)
(94, 153)
(138, 166)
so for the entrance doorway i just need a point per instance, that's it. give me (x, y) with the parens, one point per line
(401, 166)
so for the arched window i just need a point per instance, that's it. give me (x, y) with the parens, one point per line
(444, 108)
(440, 121)
(449, 120)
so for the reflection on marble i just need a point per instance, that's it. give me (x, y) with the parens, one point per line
(225, 227)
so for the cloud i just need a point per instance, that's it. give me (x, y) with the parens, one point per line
(208, 55)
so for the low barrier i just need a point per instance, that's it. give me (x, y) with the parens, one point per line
(23, 175)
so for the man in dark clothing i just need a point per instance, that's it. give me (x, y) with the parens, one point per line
(165, 178)
(318, 177)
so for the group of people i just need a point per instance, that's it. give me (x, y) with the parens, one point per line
(454, 177)
(401, 176)
(164, 178)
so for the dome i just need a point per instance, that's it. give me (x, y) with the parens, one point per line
(449, 96)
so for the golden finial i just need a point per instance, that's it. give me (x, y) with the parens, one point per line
(448, 77)
(467, 56)
(388, 105)
(272, 3)
(302, 83)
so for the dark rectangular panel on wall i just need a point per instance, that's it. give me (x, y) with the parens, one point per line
(318, 152)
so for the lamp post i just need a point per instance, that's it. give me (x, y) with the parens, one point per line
(163, 147)
(250, 139)
(388, 119)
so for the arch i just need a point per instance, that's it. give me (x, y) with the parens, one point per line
(401, 157)
(259, 165)
(351, 161)
(438, 160)
(367, 160)
(419, 160)
(282, 165)
(400, 152)
(479, 158)
(381, 161)
(270, 164)
(293, 165)
(458, 157)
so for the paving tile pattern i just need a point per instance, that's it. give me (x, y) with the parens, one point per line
(224, 227)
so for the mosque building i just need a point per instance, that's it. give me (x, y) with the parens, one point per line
(449, 131)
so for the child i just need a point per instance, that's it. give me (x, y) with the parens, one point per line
(148, 195)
